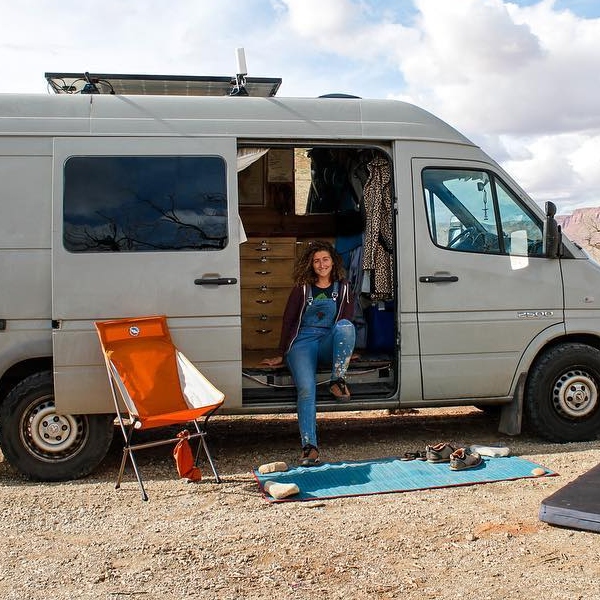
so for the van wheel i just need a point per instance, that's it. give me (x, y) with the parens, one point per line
(563, 394)
(46, 446)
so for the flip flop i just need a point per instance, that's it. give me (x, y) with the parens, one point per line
(413, 456)
(339, 390)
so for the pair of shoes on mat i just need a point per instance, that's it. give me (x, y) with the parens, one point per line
(464, 459)
(310, 456)
(459, 458)
(440, 453)
(338, 389)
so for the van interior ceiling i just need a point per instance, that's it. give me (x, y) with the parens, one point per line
(289, 196)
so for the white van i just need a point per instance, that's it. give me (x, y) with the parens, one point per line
(117, 206)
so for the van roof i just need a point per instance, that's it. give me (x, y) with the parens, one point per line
(242, 117)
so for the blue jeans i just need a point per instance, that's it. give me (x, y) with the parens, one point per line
(314, 346)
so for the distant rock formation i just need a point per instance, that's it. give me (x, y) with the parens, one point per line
(583, 227)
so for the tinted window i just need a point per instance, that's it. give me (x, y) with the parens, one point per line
(144, 204)
(473, 211)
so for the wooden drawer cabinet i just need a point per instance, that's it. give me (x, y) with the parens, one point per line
(264, 300)
(267, 272)
(266, 280)
(284, 247)
(260, 332)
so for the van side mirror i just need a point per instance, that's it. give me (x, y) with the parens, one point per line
(552, 232)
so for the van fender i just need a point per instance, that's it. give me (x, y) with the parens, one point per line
(511, 416)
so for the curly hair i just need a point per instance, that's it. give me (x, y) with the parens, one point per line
(304, 272)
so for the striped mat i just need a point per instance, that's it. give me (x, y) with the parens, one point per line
(388, 475)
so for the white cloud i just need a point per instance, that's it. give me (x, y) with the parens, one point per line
(518, 80)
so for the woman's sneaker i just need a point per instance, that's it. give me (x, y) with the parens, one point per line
(440, 453)
(462, 459)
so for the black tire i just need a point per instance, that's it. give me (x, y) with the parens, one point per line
(45, 446)
(562, 400)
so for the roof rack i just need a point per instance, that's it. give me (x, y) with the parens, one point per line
(161, 85)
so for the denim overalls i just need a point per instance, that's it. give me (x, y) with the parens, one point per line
(320, 340)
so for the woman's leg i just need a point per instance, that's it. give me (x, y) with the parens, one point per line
(337, 348)
(302, 362)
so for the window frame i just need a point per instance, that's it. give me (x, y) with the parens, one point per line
(429, 196)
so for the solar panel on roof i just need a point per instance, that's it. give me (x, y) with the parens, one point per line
(161, 85)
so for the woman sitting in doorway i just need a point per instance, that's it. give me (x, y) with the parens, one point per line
(316, 329)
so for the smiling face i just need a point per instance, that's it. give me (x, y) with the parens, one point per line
(322, 264)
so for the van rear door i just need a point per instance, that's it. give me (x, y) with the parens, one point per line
(484, 288)
(144, 226)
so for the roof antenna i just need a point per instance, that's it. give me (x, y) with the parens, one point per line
(90, 87)
(239, 88)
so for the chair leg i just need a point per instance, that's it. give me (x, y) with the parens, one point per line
(210, 460)
(202, 444)
(127, 452)
(138, 476)
(122, 468)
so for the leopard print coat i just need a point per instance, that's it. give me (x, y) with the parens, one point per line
(379, 233)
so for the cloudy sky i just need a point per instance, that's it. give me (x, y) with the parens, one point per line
(520, 78)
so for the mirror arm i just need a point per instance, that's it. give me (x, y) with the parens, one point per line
(552, 233)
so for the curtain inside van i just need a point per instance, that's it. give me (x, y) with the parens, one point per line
(247, 156)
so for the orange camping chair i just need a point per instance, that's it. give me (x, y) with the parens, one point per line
(157, 384)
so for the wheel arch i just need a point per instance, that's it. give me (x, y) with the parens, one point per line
(21, 370)
(545, 341)
(43, 445)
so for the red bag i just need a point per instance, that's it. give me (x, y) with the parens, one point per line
(184, 459)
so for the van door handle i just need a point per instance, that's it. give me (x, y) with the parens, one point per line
(216, 281)
(437, 278)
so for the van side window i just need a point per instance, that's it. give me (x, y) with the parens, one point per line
(144, 203)
(473, 211)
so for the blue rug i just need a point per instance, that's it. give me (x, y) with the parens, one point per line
(387, 475)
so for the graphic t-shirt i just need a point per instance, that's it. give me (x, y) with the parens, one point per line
(322, 293)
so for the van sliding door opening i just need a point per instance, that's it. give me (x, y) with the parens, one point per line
(288, 197)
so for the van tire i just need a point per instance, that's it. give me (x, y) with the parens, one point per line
(43, 445)
(562, 401)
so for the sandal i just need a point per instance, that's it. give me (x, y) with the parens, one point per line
(339, 389)
(310, 456)
(413, 456)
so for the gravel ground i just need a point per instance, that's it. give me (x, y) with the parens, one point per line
(83, 539)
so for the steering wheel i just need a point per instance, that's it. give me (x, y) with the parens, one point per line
(463, 236)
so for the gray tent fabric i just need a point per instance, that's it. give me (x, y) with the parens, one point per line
(575, 505)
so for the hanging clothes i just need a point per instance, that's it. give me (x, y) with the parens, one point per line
(379, 234)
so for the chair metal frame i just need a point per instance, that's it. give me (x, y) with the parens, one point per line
(120, 391)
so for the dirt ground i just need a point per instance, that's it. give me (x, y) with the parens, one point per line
(84, 539)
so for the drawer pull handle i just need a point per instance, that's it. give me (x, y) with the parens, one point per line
(263, 317)
(264, 301)
(263, 248)
(263, 331)
(263, 288)
(262, 272)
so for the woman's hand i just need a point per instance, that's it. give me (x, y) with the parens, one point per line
(272, 362)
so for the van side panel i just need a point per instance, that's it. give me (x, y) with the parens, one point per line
(25, 274)
(166, 228)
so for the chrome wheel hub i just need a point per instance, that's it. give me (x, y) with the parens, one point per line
(575, 394)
